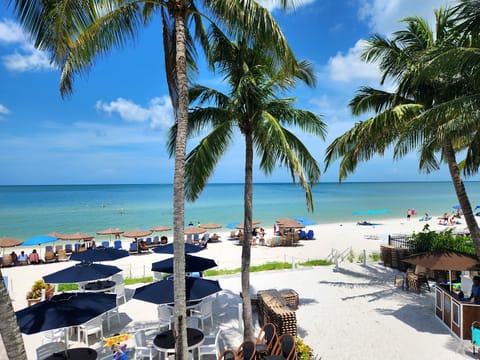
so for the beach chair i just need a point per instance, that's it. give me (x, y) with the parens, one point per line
(133, 248)
(105, 244)
(149, 242)
(303, 235)
(68, 248)
(117, 244)
(310, 235)
(49, 248)
(77, 247)
(156, 240)
(58, 247)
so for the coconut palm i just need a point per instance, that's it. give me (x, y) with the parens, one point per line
(75, 33)
(422, 113)
(9, 330)
(254, 78)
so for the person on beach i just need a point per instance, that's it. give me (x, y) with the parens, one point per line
(163, 240)
(33, 258)
(14, 257)
(409, 214)
(22, 258)
(475, 292)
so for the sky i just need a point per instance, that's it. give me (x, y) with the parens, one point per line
(113, 128)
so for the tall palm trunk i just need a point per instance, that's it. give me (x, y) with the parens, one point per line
(462, 196)
(246, 253)
(181, 349)
(11, 336)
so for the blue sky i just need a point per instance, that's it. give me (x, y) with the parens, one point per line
(113, 128)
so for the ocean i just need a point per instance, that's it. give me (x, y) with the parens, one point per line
(27, 211)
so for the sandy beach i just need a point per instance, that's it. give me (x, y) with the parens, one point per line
(350, 312)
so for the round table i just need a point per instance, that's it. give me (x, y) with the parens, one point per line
(165, 341)
(74, 354)
(99, 286)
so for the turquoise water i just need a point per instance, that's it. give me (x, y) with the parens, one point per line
(26, 211)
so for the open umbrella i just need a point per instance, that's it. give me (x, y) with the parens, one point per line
(64, 311)
(76, 237)
(110, 232)
(137, 233)
(168, 249)
(456, 207)
(39, 240)
(232, 224)
(192, 264)
(211, 226)
(161, 292)
(160, 228)
(289, 224)
(193, 230)
(255, 223)
(99, 254)
(81, 272)
(9, 242)
(304, 221)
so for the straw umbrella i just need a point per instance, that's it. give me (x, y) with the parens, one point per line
(211, 226)
(110, 232)
(160, 228)
(9, 242)
(135, 234)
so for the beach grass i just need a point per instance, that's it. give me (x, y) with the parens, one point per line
(143, 279)
(67, 287)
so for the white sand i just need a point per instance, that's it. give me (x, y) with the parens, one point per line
(353, 313)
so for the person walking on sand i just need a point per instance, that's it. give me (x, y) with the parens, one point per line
(409, 214)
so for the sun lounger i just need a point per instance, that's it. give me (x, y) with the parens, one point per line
(106, 244)
(117, 244)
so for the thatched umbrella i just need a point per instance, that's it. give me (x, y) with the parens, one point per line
(160, 228)
(211, 226)
(135, 234)
(9, 242)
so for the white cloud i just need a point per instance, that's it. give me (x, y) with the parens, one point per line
(25, 57)
(275, 4)
(383, 15)
(348, 67)
(4, 110)
(11, 32)
(159, 111)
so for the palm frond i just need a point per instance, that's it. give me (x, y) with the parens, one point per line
(202, 159)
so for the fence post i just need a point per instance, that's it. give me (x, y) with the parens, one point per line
(336, 260)
(364, 257)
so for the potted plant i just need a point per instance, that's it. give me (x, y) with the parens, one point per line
(35, 294)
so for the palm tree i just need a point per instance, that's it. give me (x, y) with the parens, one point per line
(421, 113)
(254, 78)
(9, 330)
(75, 33)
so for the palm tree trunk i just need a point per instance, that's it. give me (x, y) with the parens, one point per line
(181, 349)
(462, 196)
(9, 330)
(246, 253)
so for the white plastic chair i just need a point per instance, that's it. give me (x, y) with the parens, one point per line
(120, 292)
(54, 335)
(94, 326)
(212, 345)
(117, 278)
(204, 311)
(143, 349)
(46, 350)
(165, 316)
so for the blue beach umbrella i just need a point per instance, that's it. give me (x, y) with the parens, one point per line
(232, 225)
(168, 249)
(457, 207)
(192, 264)
(39, 240)
(161, 292)
(304, 221)
(99, 254)
(81, 273)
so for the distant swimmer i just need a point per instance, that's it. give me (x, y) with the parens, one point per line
(121, 211)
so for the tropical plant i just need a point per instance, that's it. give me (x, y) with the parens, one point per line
(37, 288)
(254, 76)
(432, 241)
(75, 33)
(422, 114)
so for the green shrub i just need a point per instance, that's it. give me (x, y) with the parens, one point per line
(432, 241)
(351, 256)
(374, 256)
(304, 351)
